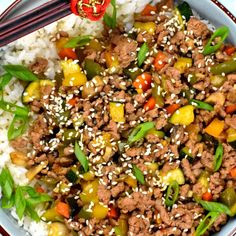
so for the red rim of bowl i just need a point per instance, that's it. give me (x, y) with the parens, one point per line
(216, 2)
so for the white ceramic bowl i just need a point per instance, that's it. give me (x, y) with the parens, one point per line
(211, 10)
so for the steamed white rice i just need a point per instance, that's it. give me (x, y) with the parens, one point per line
(24, 51)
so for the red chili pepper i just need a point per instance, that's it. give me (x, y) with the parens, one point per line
(91, 9)
(39, 189)
(207, 196)
(113, 212)
(150, 104)
(73, 101)
(160, 60)
(230, 109)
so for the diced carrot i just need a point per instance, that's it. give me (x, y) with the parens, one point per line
(229, 50)
(39, 189)
(67, 53)
(113, 212)
(147, 11)
(207, 196)
(160, 60)
(63, 209)
(143, 81)
(215, 128)
(230, 109)
(73, 101)
(150, 104)
(172, 108)
(233, 172)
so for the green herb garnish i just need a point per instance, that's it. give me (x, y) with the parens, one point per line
(185, 10)
(78, 41)
(138, 174)
(172, 193)
(142, 54)
(110, 21)
(20, 72)
(201, 105)
(17, 110)
(81, 157)
(4, 80)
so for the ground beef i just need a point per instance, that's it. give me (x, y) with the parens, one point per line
(198, 28)
(221, 220)
(187, 170)
(39, 66)
(104, 194)
(216, 185)
(20, 144)
(119, 188)
(138, 226)
(231, 121)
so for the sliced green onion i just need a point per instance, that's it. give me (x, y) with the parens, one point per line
(78, 41)
(7, 203)
(110, 21)
(142, 54)
(29, 210)
(20, 72)
(81, 157)
(201, 105)
(7, 183)
(20, 202)
(222, 32)
(140, 132)
(206, 223)
(172, 193)
(4, 80)
(138, 174)
(17, 110)
(17, 127)
(215, 206)
(218, 157)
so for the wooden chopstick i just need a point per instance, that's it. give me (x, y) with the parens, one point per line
(33, 20)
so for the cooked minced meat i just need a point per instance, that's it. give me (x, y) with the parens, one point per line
(138, 146)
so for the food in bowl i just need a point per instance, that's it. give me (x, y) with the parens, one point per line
(131, 131)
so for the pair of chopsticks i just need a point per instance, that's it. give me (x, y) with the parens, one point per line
(32, 20)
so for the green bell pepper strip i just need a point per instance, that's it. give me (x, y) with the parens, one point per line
(140, 132)
(225, 67)
(201, 105)
(218, 157)
(172, 193)
(222, 32)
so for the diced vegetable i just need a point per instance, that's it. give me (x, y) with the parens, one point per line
(113, 212)
(183, 116)
(216, 98)
(201, 105)
(60, 43)
(88, 176)
(18, 158)
(172, 108)
(215, 128)
(143, 81)
(132, 182)
(185, 10)
(160, 60)
(224, 68)
(148, 10)
(140, 131)
(183, 63)
(81, 157)
(157, 133)
(89, 193)
(85, 213)
(63, 209)
(149, 27)
(221, 32)
(69, 134)
(218, 157)
(138, 174)
(231, 137)
(72, 176)
(95, 44)
(78, 41)
(233, 172)
(132, 73)
(67, 53)
(204, 180)
(207, 196)
(142, 54)
(185, 153)
(172, 193)
(73, 74)
(179, 17)
(150, 104)
(90, 88)
(217, 80)
(228, 196)
(52, 215)
(30, 174)
(112, 62)
(57, 229)
(100, 211)
(92, 68)
(173, 175)
(117, 111)
(231, 109)
(157, 94)
(229, 50)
